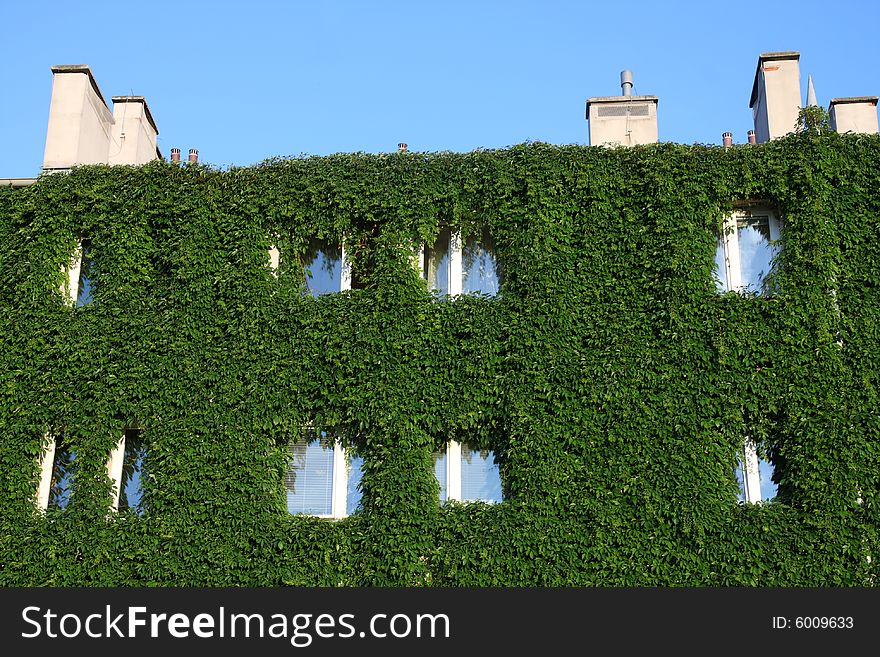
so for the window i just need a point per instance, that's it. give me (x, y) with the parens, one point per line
(126, 470)
(85, 287)
(322, 478)
(326, 268)
(746, 251)
(79, 284)
(451, 268)
(754, 475)
(744, 261)
(56, 476)
(467, 474)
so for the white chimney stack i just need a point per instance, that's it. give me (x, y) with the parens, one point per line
(624, 120)
(776, 94)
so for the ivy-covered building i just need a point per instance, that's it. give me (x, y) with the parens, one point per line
(535, 366)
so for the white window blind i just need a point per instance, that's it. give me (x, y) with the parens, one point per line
(309, 479)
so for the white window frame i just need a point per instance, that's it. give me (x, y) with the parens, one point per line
(730, 240)
(339, 485)
(70, 286)
(47, 461)
(456, 279)
(454, 266)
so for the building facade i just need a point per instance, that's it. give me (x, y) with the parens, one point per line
(536, 366)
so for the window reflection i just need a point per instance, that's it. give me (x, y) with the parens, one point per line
(61, 485)
(131, 484)
(745, 253)
(436, 268)
(481, 272)
(355, 465)
(767, 487)
(756, 252)
(85, 284)
(84, 295)
(480, 477)
(440, 471)
(323, 267)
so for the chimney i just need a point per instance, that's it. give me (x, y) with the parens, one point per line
(79, 120)
(752, 138)
(776, 94)
(133, 132)
(855, 114)
(401, 147)
(175, 155)
(193, 155)
(727, 139)
(624, 120)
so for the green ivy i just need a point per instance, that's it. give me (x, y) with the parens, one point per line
(613, 382)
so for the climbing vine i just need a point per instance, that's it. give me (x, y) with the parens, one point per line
(612, 380)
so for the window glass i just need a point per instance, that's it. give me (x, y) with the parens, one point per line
(61, 485)
(309, 478)
(440, 471)
(355, 466)
(481, 272)
(85, 287)
(323, 268)
(131, 485)
(437, 263)
(765, 472)
(480, 477)
(768, 489)
(756, 251)
(740, 480)
(721, 282)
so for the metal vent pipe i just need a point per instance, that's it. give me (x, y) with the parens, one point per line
(626, 82)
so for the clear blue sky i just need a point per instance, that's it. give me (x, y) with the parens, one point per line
(244, 81)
